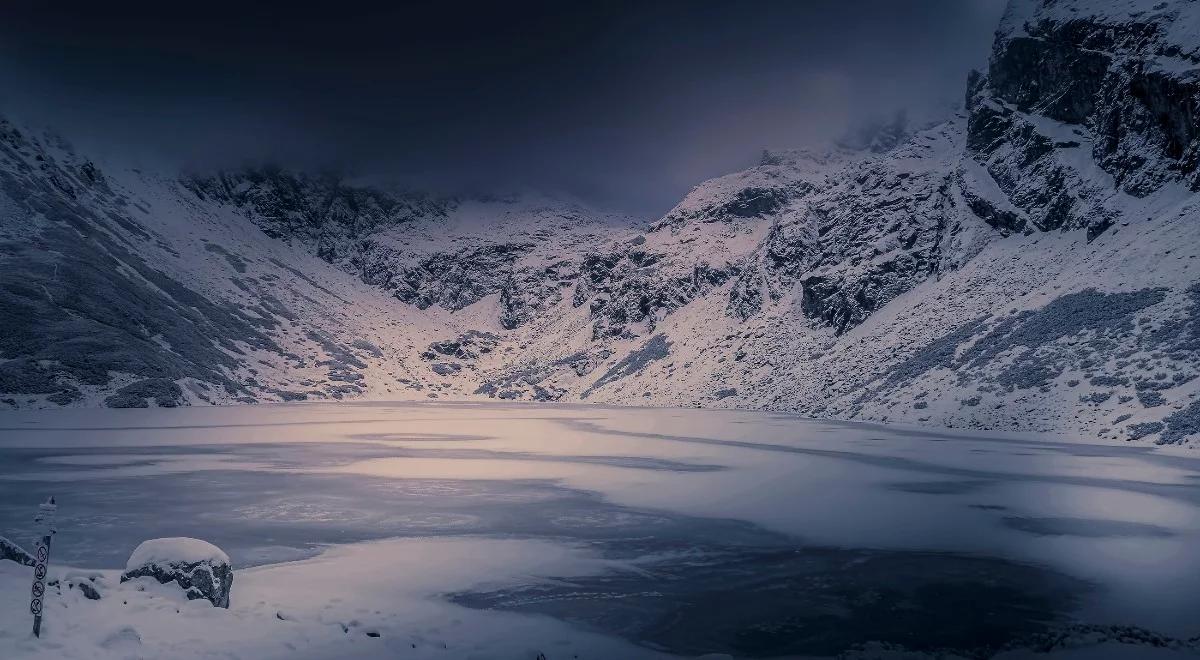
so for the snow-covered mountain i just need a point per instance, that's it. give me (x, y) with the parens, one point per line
(1030, 264)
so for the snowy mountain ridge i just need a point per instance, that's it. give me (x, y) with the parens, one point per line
(1027, 265)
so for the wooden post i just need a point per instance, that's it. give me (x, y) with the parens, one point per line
(45, 520)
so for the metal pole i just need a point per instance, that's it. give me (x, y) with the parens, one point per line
(45, 520)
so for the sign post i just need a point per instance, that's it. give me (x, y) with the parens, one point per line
(45, 521)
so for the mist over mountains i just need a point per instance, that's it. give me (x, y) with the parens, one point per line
(622, 105)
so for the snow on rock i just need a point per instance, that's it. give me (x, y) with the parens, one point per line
(173, 550)
(13, 552)
(199, 567)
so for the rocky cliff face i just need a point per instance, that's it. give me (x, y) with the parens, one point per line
(1075, 87)
(423, 250)
(850, 243)
(1031, 263)
(322, 212)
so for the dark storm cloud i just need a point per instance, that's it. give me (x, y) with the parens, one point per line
(626, 104)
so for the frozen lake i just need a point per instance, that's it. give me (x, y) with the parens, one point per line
(752, 534)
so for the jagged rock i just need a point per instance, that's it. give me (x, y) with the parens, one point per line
(467, 346)
(1066, 76)
(165, 393)
(849, 245)
(582, 367)
(200, 568)
(321, 211)
(655, 348)
(89, 592)
(633, 287)
(368, 231)
(86, 586)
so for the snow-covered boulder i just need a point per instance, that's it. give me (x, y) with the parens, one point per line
(199, 567)
(13, 552)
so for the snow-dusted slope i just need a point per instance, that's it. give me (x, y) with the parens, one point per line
(426, 251)
(1030, 264)
(126, 288)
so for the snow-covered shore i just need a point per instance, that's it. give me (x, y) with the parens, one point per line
(371, 601)
(368, 600)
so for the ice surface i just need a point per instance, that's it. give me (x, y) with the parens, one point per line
(538, 526)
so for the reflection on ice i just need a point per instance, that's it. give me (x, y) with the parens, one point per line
(1085, 527)
(813, 601)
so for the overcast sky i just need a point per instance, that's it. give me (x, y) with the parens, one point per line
(626, 105)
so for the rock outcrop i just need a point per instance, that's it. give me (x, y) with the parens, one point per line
(849, 245)
(1076, 86)
(200, 568)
